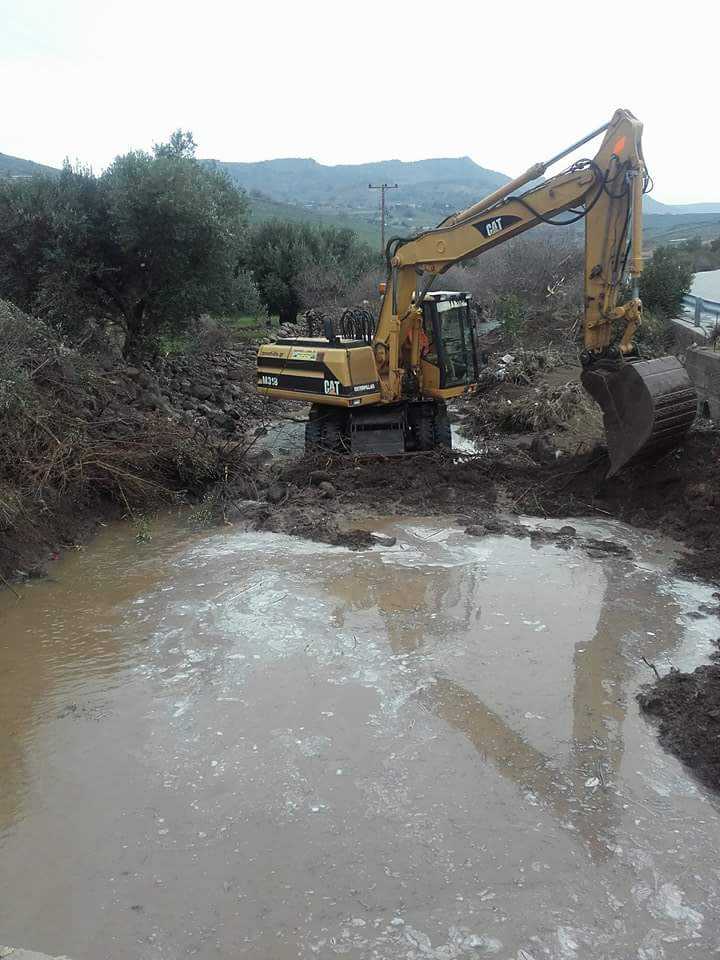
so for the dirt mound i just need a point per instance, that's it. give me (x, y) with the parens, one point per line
(687, 706)
(415, 484)
(526, 396)
(78, 439)
(677, 495)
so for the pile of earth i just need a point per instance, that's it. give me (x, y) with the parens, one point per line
(82, 438)
(210, 391)
(687, 708)
(531, 402)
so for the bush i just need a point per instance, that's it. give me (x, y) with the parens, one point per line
(294, 264)
(665, 280)
(510, 312)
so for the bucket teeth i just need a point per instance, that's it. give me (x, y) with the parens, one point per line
(648, 406)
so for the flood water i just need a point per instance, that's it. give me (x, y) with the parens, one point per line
(231, 744)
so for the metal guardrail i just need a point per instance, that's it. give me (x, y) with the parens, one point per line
(702, 309)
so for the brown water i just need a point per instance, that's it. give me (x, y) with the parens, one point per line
(232, 744)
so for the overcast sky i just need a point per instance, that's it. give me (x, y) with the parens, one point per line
(345, 81)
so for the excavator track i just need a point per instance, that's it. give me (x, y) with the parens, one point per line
(648, 406)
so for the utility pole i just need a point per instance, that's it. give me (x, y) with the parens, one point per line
(382, 187)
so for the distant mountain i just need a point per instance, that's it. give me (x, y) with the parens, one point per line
(438, 185)
(650, 205)
(303, 189)
(15, 167)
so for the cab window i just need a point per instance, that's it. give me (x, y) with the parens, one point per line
(454, 329)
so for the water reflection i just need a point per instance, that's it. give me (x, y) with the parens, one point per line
(425, 609)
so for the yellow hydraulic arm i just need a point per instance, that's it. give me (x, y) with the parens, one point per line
(607, 191)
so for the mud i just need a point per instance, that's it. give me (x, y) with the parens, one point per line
(678, 495)
(687, 708)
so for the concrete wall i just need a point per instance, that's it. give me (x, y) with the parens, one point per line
(686, 333)
(703, 366)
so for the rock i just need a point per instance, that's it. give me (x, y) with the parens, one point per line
(201, 391)
(567, 532)
(383, 541)
(319, 476)
(493, 525)
(245, 510)
(327, 490)
(542, 450)
(276, 492)
(132, 372)
(235, 374)
(476, 530)
(607, 546)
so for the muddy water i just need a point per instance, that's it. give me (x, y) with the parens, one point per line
(232, 744)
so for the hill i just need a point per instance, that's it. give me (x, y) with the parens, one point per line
(304, 190)
(308, 182)
(16, 167)
(651, 205)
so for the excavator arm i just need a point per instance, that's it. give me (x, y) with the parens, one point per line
(657, 401)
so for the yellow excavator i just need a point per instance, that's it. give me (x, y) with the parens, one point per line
(382, 388)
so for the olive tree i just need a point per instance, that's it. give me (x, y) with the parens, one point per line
(154, 241)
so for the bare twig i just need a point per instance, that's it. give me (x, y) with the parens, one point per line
(652, 667)
(10, 587)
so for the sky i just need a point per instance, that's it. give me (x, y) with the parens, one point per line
(507, 84)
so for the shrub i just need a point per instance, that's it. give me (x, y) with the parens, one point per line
(665, 280)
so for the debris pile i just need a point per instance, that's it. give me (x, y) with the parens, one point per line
(77, 438)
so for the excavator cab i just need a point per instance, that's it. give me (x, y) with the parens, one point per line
(449, 354)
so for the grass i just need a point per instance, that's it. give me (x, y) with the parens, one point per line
(262, 209)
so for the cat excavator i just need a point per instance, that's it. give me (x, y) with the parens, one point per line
(382, 388)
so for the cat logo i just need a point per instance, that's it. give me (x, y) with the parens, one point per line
(332, 387)
(489, 228)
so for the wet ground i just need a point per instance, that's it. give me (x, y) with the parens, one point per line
(286, 438)
(228, 744)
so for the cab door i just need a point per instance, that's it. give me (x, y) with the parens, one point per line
(449, 361)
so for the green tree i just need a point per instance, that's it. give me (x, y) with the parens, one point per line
(665, 281)
(280, 254)
(154, 241)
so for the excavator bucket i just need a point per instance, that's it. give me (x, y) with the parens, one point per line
(647, 405)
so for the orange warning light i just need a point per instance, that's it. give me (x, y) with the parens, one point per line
(619, 146)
